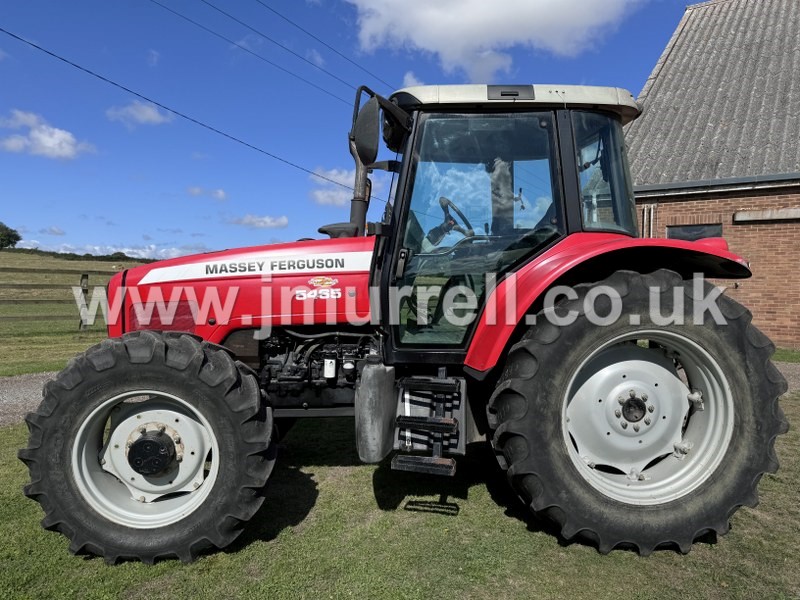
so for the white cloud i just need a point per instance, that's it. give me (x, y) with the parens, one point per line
(138, 113)
(217, 194)
(328, 193)
(250, 41)
(315, 57)
(153, 57)
(52, 230)
(40, 139)
(134, 251)
(409, 79)
(473, 35)
(264, 222)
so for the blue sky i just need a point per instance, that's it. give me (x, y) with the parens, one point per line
(87, 167)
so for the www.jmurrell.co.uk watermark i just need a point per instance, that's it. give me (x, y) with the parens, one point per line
(456, 305)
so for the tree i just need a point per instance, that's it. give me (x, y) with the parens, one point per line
(8, 237)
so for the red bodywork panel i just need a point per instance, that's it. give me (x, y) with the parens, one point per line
(248, 285)
(493, 332)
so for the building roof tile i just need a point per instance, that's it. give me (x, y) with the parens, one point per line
(724, 98)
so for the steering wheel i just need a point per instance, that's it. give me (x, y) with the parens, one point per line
(449, 224)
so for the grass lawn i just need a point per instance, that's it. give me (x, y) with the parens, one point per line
(784, 355)
(331, 528)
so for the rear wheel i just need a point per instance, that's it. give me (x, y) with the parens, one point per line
(639, 433)
(151, 445)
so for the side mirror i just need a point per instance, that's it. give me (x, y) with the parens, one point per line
(366, 131)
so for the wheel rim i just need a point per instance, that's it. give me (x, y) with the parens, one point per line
(647, 425)
(106, 474)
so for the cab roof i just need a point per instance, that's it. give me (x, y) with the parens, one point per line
(616, 100)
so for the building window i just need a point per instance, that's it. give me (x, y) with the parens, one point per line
(691, 233)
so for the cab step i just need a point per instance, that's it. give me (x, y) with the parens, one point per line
(443, 385)
(446, 425)
(430, 415)
(424, 464)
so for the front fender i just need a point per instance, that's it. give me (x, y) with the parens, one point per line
(581, 258)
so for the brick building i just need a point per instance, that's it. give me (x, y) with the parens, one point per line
(717, 148)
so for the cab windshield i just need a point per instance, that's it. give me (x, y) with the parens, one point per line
(484, 195)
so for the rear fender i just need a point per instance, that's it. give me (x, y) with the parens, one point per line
(581, 258)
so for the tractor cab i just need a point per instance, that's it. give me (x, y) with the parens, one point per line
(491, 176)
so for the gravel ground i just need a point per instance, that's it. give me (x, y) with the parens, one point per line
(792, 373)
(19, 395)
(22, 393)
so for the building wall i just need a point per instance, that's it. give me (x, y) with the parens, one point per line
(772, 247)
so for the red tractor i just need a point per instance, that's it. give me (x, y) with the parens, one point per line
(505, 297)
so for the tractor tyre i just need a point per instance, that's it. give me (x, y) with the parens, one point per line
(149, 446)
(639, 433)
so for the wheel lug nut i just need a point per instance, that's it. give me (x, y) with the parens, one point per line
(142, 429)
(644, 397)
(621, 400)
(161, 429)
(636, 428)
(177, 439)
(624, 424)
(647, 421)
(617, 413)
(651, 408)
(632, 394)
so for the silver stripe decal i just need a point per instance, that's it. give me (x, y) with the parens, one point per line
(258, 265)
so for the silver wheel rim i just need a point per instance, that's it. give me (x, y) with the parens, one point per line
(648, 425)
(111, 486)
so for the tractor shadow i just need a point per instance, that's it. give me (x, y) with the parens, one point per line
(291, 493)
(398, 490)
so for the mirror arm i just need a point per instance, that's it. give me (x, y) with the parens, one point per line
(401, 116)
(360, 202)
(392, 166)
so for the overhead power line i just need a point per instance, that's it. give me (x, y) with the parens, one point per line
(324, 43)
(249, 51)
(173, 111)
(286, 48)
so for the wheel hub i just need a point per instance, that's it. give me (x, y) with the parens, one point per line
(628, 411)
(151, 454)
(634, 410)
(156, 449)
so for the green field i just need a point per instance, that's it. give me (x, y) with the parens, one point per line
(331, 528)
(35, 344)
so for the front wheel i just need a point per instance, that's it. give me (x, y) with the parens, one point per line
(643, 432)
(151, 445)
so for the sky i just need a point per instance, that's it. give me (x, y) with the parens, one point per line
(88, 167)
